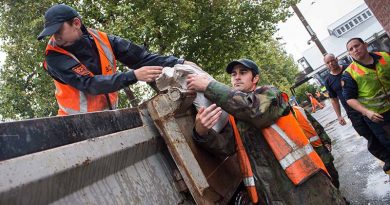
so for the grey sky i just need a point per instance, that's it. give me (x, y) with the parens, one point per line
(319, 14)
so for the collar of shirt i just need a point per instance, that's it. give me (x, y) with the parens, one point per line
(342, 68)
(371, 66)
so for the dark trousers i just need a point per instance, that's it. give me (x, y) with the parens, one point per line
(333, 174)
(328, 159)
(378, 144)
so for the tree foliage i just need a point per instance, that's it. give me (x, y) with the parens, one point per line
(302, 89)
(208, 32)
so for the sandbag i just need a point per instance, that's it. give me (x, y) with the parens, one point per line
(176, 77)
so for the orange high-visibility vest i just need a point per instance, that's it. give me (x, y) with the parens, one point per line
(245, 166)
(306, 126)
(313, 100)
(293, 150)
(73, 101)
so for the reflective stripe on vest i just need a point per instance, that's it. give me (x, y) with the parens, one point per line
(307, 127)
(72, 101)
(292, 149)
(373, 84)
(314, 138)
(295, 155)
(249, 181)
(83, 106)
(108, 54)
(245, 166)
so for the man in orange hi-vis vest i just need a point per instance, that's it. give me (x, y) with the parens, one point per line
(276, 158)
(318, 139)
(82, 62)
(314, 102)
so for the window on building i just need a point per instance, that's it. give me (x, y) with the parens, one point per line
(364, 15)
(339, 32)
(360, 18)
(356, 21)
(345, 61)
(385, 43)
(369, 13)
(351, 24)
(347, 26)
(373, 46)
(343, 29)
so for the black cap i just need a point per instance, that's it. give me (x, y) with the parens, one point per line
(55, 16)
(245, 62)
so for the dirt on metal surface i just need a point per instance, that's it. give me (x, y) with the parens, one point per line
(209, 180)
(362, 180)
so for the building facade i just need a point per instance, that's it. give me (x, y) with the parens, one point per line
(381, 10)
(360, 22)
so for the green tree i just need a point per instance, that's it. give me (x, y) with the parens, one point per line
(302, 89)
(210, 33)
(276, 67)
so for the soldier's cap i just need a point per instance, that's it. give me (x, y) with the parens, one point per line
(55, 16)
(246, 63)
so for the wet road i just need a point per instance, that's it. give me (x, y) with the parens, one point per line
(362, 180)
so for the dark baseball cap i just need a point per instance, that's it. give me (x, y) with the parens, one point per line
(55, 16)
(245, 62)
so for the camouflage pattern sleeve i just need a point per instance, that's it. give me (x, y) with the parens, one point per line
(261, 108)
(319, 129)
(220, 144)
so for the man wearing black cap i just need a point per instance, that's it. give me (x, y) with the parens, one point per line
(254, 108)
(83, 63)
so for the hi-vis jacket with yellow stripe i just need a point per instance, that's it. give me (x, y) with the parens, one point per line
(373, 84)
(73, 101)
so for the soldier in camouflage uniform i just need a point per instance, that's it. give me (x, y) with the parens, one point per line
(324, 151)
(255, 108)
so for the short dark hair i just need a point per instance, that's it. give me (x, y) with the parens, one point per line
(356, 38)
(70, 21)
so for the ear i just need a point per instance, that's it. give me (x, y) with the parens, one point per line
(256, 79)
(285, 96)
(77, 22)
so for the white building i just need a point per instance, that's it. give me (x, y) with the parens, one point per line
(358, 23)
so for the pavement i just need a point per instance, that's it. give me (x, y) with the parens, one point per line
(362, 180)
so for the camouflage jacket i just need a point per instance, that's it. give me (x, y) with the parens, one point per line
(261, 108)
(253, 111)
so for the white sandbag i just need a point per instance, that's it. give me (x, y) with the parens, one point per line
(176, 77)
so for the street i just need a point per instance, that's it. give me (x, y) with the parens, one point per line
(362, 180)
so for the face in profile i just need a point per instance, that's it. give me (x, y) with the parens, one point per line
(68, 33)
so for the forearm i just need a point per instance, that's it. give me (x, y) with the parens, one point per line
(261, 108)
(135, 56)
(220, 144)
(355, 104)
(149, 59)
(101, 84)
(336, 106)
